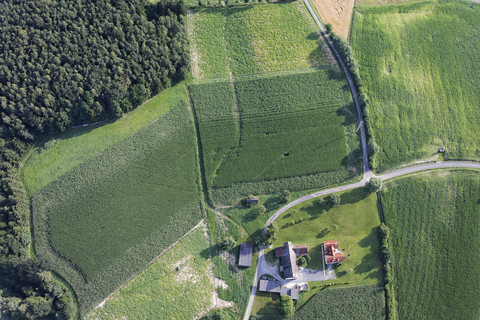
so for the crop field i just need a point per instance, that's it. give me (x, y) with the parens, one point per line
(287, 126)
(181, 274)
(337, 12)
(215, 109)
(353, 223)
(208, 51)
(356, 302)
(433, 220)
(420, 65)
(67, 150)
(111, 215)
(247, 40)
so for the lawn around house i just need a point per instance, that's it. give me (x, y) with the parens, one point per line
(353, 223)
(420, 66)
(64, 151)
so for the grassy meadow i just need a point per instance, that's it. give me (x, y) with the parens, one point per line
(354, 302)
(254, 39)
(64, 151)
(237, 280)
(183, 274)
(353, 223)
(420, 66)
(433, 220)
(111, 215)
(290, 131)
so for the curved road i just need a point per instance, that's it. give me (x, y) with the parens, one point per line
(350, 83)
(367, 173)
(361, 183)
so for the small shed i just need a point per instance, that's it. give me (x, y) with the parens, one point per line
(245, 257)
(253, 200)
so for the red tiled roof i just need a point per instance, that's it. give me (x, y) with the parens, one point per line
(332, 254)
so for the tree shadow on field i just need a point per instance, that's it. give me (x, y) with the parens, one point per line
(209, 252)
(313, 36)
(371, 260)
(354, 196)
(233, 10)
(348, 113)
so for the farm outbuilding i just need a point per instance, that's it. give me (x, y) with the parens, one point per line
(252, 200)
(289, 262)
(245, 257)
(272, 285)
(299, 249)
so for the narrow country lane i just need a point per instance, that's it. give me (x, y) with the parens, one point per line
(367, 173)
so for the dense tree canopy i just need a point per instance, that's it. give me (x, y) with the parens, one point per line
(68, 61)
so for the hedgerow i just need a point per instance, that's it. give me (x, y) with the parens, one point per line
(354, 302)
(419, 65)
(433, 221)
(106, 219)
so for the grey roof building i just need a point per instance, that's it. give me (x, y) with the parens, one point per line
(245, 257)
(289, 262)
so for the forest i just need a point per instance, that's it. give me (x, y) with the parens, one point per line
(64, 63)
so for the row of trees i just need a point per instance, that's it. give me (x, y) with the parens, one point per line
(65, 63)
(346, 52)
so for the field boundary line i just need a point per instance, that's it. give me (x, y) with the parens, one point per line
(200, 224)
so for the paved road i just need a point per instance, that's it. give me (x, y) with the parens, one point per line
(367, 173)
(350, 83)
(366, 177)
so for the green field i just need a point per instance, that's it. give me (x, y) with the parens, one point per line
(353, 223)
(288, 132)
(65, 151)
(177, 286)
(346, 303)
(433, 220)
(420, 66)
(238, 280)
(111, 215)
(253, 39)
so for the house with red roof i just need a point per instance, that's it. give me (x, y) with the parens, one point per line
(332, 254)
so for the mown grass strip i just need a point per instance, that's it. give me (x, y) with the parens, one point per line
(65, 151)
